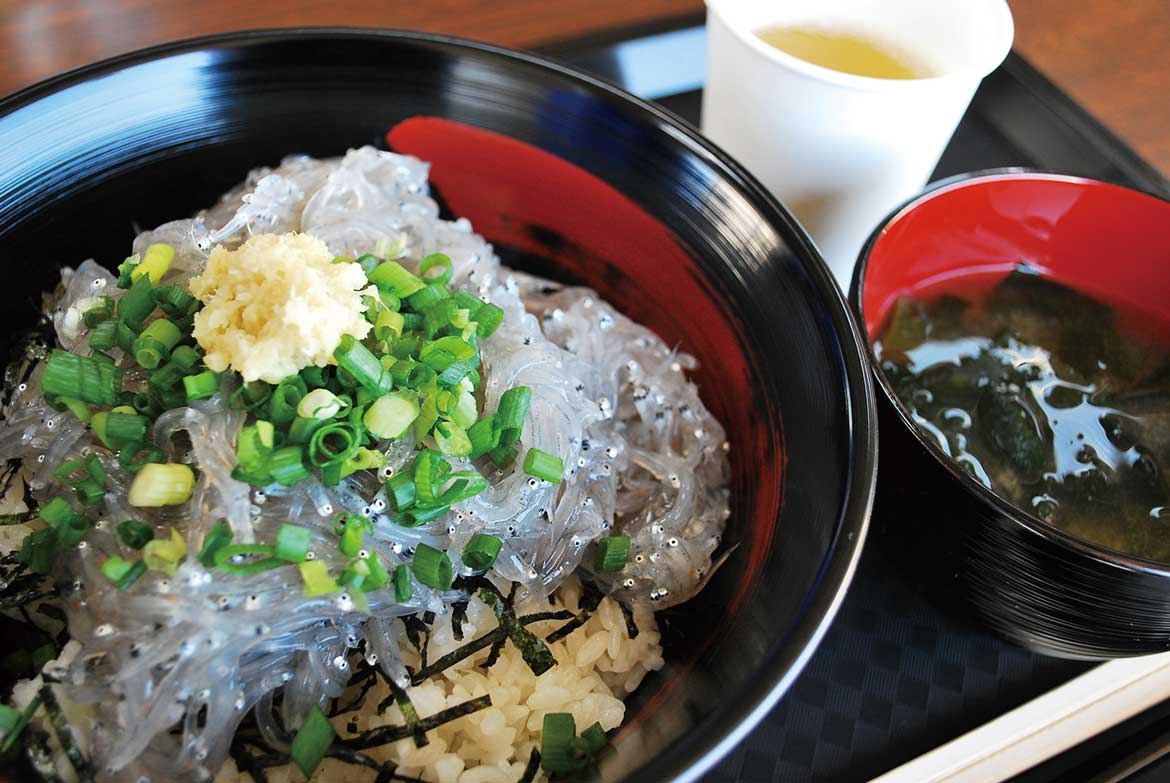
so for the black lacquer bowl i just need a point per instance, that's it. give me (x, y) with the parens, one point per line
(571, 178)
(1033, 583)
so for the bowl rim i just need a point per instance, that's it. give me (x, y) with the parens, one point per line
(719, 731)
(1019, 516)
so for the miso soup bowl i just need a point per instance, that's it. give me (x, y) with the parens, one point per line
(1032, 583)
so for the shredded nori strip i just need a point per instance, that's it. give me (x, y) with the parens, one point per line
(631, 626)
(419, 634)
(533, 767)
(458, 618)
(64, 732)
(409, 713)
(535, 652)
(457, 655)
(365, 676)
(247, 762)
(386, 734)
(590, 600)
(350, 756)
(494, 653)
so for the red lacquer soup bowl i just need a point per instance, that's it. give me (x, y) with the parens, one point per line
(572, 179)
(1035, 584)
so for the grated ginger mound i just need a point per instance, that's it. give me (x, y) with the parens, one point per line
(275, 305)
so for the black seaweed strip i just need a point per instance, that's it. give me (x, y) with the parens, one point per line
(631, 626)
(533, 767)
(65, 736)
(386, 734)
(458, 618)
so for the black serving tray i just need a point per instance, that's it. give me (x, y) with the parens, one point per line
(902, 672)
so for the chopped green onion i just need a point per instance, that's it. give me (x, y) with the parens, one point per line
(426, 296)
(368, 262)
(157, 485)
(439, 261)
(254, 446)
(136, 304)
(315, 575)
(510, 414)
(282, 406)
(418, 516)
(354, 577)
(333, 444)
(89, 492)
(287, 465)
(503, 456)
(488, 319)
(481, 551)
(164, 554)
(544, 465)
(556, 742)
(77, 408)
(351, 535)
(82, 377)
(314, 377)
(218, 537)
(292, 542)
(593, 738)
(403, 584)
(56, 513)
(390, 416)
(378, 575)
(456, 371)
(612, 554)
(201, 386)
(165, 377)
(101, 309)
(442, 353)
(155, 343)
(122, 573)
(125, 268)
(366, 459)
(356, 359)
(438, 316)
(247, 558)
(135, 534)
(468, 301)
(125, 427)
(432, 567)
(388, 325)
(401, 491)
(102, 336)
(37, 550)
(312, 741)
(409, 373)
(319, 404)
(451, 440)
(124, 337)
(302, 429)
(185, 358)
(250, 396)
(145, 405)
(155, 263)
(396, 278)
(174, 301)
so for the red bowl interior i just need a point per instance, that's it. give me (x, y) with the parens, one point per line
(1104, 240)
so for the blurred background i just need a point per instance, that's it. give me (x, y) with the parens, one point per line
(1113, 56)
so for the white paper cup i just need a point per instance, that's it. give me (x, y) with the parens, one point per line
(841, 150)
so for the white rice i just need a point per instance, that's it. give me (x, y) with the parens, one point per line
(597, 666)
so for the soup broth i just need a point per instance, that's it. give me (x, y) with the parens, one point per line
(1047, 396)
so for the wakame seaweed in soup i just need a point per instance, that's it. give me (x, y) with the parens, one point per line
(1047, 396)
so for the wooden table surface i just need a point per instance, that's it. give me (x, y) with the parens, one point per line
(1112, 55)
